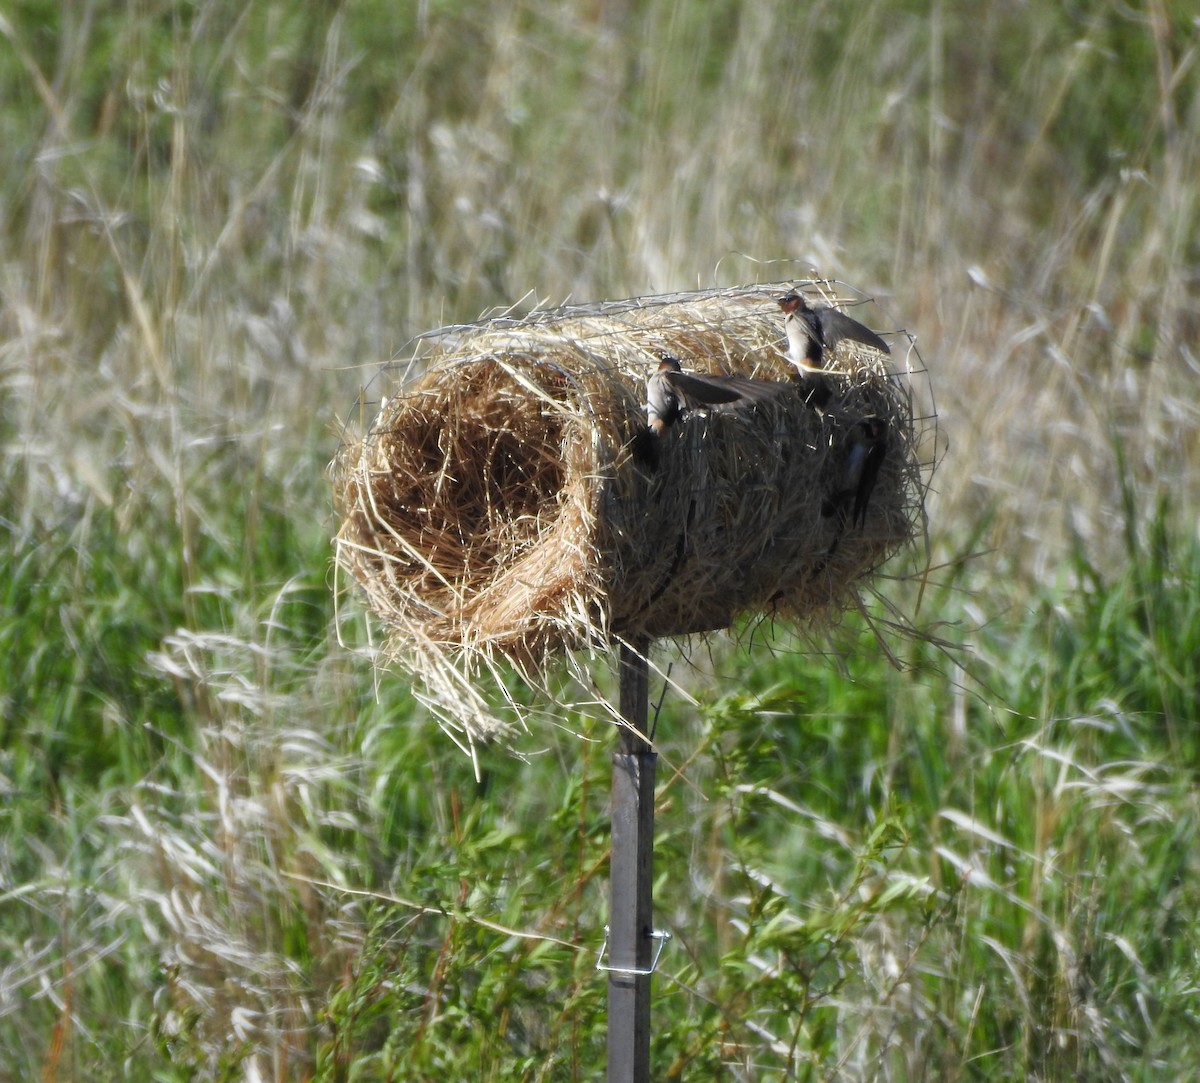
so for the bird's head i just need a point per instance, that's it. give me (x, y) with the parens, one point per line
(793, 303)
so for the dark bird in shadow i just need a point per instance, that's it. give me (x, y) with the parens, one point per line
(865, 450)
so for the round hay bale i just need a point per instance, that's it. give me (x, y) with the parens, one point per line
(497, 503)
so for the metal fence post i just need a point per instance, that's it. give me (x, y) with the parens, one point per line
(631, 931)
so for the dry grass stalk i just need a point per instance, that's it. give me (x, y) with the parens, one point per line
(495, 508)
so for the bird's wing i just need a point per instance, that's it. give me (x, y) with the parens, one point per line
(835, 326)
(755, 390)
(713, 389)
(705, 390)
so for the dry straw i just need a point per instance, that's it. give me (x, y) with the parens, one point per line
(495, 508)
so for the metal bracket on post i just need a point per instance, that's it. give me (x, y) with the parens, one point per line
(661, 935)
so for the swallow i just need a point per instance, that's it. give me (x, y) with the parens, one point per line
(670, 391)
(813, 331)
(866, 447)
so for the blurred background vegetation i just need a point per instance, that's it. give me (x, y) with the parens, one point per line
(229, 851)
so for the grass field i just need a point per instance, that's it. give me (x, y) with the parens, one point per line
(230, 851)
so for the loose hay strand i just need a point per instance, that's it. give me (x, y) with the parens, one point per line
(494, 511)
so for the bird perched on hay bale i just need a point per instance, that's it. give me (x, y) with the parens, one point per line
(672, 393)
(498, 504)
(671, 390)
(813, 333)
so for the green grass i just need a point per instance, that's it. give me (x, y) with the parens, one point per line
(228, 850)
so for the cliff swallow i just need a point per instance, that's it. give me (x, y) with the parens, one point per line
(811, 331)
(865, 449)
(670, 391)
